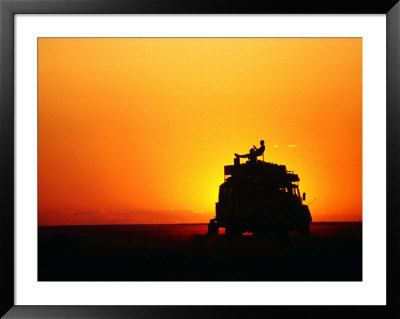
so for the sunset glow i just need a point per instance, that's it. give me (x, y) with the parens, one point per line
(137, 130)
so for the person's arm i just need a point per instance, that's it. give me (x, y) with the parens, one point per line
(260, 151)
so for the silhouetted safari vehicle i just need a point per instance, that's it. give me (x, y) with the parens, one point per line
(262, 198)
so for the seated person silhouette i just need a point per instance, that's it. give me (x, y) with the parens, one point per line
(251, 156)
(253, 153)
(259, 151)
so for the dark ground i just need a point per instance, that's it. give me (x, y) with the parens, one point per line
(332, 252)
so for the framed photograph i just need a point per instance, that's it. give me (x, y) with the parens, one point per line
(190, 160)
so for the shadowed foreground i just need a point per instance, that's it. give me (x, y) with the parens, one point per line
(332, 252)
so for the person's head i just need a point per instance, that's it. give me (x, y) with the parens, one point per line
(252, 150)
(262, 142)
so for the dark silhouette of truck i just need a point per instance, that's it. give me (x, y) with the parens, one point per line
(261, 198)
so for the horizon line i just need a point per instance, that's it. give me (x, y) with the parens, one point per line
(175, 224)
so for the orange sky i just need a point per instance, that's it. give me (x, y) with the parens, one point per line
(138, 130)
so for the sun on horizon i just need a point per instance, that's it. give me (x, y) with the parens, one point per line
(138, 130)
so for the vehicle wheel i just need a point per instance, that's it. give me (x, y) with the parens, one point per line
(232, 231)
(213, 227)
(303, 228)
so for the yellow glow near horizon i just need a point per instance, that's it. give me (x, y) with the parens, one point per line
(137, 124)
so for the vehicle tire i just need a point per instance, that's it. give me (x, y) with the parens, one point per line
(213, 228)
(233, 231)
(303, 227)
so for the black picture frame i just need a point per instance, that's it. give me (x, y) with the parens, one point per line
(8, 8)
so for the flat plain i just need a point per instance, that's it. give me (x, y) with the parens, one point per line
(184, 252)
